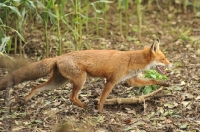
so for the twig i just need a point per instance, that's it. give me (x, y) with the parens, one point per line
(132, 100)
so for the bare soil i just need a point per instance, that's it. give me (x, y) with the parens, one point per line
(176, 108)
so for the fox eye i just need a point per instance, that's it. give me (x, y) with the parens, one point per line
(163, 59)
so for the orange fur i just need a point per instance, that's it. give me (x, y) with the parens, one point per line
(115, 66)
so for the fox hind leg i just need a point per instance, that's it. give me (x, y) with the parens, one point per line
(70, 70)
(77, 85)
(56, 80)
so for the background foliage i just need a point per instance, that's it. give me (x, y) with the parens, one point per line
(69, 24)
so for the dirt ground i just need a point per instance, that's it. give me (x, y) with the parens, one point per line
(175, 109)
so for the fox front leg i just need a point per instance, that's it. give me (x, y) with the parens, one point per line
(135, 81)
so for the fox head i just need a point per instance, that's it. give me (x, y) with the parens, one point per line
(158, 59)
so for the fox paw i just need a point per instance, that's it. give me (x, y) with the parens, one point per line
(165, 84)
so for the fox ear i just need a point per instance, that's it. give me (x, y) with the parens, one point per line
(155, 46)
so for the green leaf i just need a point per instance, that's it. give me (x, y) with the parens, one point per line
(50, 4)
(13, 9)
(97, 11)
(154, 87)
(21, 37)
(40, 4)
(155, 75)
(4, 42)
(52, 16)
(147, 90)
(8, 46)
(31, 4)
(183, 126)
(197, 14)
(106, 1)
(38, 121)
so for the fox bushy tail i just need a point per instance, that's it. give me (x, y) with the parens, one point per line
(30, 72)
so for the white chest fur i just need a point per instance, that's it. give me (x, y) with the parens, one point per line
(131, 74)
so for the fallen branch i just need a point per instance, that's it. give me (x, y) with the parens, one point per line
(132, 100)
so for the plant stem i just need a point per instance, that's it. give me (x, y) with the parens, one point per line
(76, 25)
(58, 30)
(105, 25)
(20, 48)
(126, 18)
(194, 6)
(15, 46)
(46, 38)
(87, 12)
(149, 6)
(105, 21)
(97, 23)
(185, 6)
(120, 16)
(139, 16)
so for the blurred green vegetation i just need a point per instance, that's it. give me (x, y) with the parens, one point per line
(153, 74)
(81, 19)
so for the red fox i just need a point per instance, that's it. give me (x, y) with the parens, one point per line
(115, 66)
